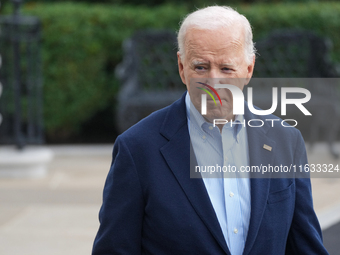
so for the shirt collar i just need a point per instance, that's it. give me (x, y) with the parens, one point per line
(199, 121)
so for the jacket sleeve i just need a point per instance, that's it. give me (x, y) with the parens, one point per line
(305, 237)
(122, 210)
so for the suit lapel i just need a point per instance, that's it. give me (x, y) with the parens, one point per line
(257, 138)
(177, 155)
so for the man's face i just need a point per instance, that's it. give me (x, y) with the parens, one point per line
(212, 57)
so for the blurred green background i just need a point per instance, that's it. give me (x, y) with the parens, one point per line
(82, 45)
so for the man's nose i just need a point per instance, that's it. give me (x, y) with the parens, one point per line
(215, 77)
(214, 73)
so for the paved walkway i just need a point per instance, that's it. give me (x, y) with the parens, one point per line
(58, 214)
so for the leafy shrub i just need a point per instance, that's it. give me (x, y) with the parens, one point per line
(187, 2)
(82, 46)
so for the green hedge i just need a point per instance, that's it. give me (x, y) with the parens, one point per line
(82, 46)
(187, 2)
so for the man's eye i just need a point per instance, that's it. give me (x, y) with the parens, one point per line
(200, 68)
(226, 69)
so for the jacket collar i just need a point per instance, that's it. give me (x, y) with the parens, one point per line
(257, 138)
(177, 155)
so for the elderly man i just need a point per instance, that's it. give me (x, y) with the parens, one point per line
(150, 203)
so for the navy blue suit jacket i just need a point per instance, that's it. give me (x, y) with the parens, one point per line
(152, 206)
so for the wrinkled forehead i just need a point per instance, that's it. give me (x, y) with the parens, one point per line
(214, 40)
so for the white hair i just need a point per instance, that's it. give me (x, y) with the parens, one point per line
(215, 17)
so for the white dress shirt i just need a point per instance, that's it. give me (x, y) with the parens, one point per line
(229, 192)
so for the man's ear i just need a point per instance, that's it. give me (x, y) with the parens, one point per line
(181, 68)
(250, 70)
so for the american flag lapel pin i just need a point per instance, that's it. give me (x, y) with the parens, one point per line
(267, 147)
